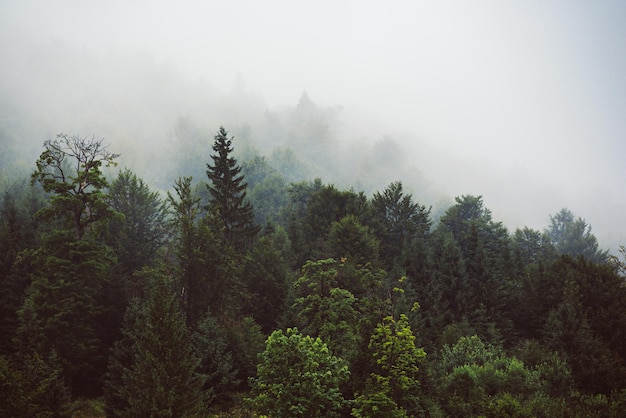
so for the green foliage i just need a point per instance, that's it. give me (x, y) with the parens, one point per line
(32, 386)
(208, 275)
(70, 169)
(397, 220)
(324, 206)
(266, 273)
(480, 379)
(526, 324)
(298, 377)
(350, 240)
(532, 247)
(322, 309)
(568, 329)
(161, 378)
(211, 346)
(62, 308)
(18, 232)
(141, 232)
(393, 387)
(228, 194)
(246, 341)
(484, 246)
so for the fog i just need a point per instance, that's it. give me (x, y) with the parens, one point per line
(522, 102)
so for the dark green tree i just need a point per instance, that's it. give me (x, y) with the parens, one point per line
(63, 308)
(326, 205)
(161, 379)
(18, 232)
(33, 386)
(141, 232)
(209, 278)
(485, 247)
(595, 367)
(398, 220)
(266, 274)
(530, 246)
(228, 195)
(217, 363)
(352, 241)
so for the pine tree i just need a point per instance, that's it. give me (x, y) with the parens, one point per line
(228, 193)
(62, 307)
(157, 365)
(208, 276)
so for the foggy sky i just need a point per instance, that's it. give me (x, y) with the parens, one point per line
(523, 102)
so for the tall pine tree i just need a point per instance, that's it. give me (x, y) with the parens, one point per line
(228, 192)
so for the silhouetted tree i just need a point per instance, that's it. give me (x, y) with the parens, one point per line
(70, 169)
(228, 193)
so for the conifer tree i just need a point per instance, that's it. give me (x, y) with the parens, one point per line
(63, 309)
(208, 276)
(160, 375)
(228, 193)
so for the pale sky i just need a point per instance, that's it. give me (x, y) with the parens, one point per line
(523, 102)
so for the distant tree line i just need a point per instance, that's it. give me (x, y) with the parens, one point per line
(247, 291)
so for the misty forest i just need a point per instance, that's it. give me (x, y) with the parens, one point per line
(169, 248)
(248, 287)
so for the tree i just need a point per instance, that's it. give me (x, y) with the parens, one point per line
(596, 368)
(208, 276)
(298, 377)
(324, 206)
(228, 194)
(217, 365)
(478, 379)
(63, 308)
(324, 310)
(18, 232)
(70, 169)
(532, 247)
(267, 190)
(141, 232)
(352, 241)
(392, 389)
(161, 378)
(398, 220)
(32, 386)
(484, 245)
(573, 237)
(265, 274)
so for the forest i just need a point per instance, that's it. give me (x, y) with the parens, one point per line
(247, 288)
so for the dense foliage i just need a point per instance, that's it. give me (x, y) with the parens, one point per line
(297, 295)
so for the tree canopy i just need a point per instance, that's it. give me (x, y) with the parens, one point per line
(276, 295)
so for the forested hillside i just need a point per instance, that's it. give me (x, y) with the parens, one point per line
(247, 286)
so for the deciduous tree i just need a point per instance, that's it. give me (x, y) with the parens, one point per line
(298, 377)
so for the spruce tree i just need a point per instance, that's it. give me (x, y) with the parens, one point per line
(157, 363)
(228, 192)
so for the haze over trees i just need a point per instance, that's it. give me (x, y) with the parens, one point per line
(328, 302)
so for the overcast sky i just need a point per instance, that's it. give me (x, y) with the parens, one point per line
(523, 102)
